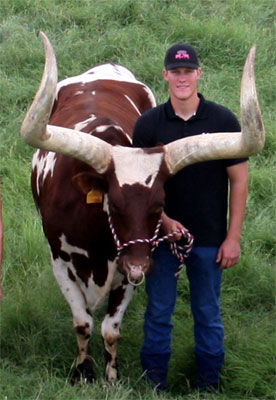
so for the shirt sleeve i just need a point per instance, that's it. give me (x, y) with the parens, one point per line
(233, 125)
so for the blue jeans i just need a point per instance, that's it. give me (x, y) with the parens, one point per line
(161, 286)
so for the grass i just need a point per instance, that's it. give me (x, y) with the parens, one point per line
(37, 344)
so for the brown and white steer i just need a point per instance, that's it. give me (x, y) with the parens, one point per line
(86, 167)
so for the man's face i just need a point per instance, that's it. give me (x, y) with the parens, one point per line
(182, 82)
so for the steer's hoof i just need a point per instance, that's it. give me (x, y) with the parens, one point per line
(83, 373)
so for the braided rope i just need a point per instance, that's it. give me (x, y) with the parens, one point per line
(181, 252)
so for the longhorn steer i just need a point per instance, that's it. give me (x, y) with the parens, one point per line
(86, 167)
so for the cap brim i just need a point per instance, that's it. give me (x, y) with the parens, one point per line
(182, 64)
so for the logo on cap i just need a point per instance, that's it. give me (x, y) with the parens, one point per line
(182, 54)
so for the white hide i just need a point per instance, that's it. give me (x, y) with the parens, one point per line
(110, 330)
(135, 166)
(133, 104)
(76, 292)
(44, 164)
(81, 125)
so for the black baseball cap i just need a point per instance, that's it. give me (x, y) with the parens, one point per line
(181, 55)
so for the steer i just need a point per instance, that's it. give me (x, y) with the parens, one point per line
(101, 199)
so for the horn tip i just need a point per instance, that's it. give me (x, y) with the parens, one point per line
(252, 52)
(41, 34)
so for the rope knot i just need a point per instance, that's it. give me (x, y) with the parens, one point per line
(181, 252)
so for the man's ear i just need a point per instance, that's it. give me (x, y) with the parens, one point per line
(165, 74)
(199, 73)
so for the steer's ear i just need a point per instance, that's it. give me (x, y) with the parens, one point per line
(86, 181)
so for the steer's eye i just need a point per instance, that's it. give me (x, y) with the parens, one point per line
(114, 209)
(158, 210)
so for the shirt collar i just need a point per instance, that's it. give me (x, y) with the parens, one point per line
(200, 113)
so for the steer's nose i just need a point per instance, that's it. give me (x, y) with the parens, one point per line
(136, 275)
(136, 269)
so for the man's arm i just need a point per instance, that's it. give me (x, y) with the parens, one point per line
(170, 225)
(229, 251)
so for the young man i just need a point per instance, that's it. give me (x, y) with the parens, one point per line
(196, 198)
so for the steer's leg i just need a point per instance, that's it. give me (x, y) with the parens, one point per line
(82, 320)
(119, 299)
(83, 324)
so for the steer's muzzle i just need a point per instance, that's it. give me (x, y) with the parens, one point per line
(135, 269)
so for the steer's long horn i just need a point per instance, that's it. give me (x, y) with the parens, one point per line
(36, 131)
(213, 146)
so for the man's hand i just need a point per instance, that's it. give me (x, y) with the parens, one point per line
(228, 253)
(170, 225)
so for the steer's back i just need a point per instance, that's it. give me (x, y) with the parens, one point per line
(106, 91)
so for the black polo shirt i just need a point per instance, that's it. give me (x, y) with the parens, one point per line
(197, 195)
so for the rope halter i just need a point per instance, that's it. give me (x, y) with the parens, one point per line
(181, 252)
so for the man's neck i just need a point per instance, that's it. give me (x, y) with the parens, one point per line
(185, 109)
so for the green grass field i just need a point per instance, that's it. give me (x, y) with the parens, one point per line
(37, 341)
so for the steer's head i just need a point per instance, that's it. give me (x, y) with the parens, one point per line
(135, 203)
(135, 177)
(134, 199)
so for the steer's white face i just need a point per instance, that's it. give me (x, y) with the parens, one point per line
(136, 166)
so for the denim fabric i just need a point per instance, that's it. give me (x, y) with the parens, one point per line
(205, 283)
(161, 286)
(156, 368)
